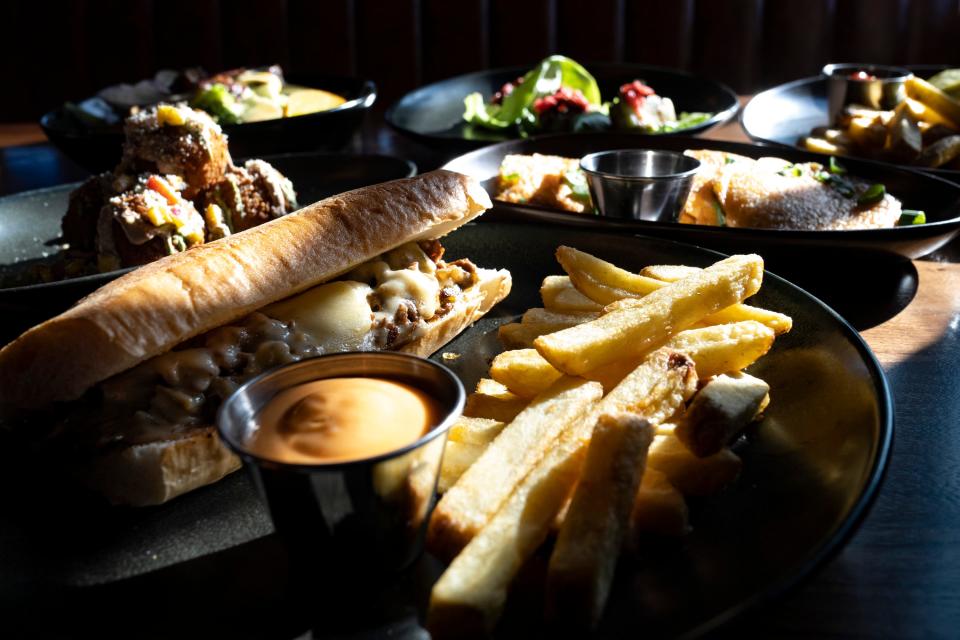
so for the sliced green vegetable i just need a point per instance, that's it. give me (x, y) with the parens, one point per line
(509, 177)
(578, 185)
(729, 160)
(872, 195)
(721, 216)
(835, 168)
(792, 171)
(911, 216)
(686, 120)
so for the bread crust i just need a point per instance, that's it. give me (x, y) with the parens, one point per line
(154, 473)
(149, 311)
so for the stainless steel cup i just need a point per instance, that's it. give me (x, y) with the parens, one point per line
(639, 184)
(348, 521)
(884, 90)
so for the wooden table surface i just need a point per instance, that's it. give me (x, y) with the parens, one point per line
(899, 575)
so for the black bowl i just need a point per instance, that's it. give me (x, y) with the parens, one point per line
(939, 198)
(434, 113)
(98, 149)
(786, 113)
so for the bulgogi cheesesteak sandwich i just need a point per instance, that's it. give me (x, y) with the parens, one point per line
(132, 375)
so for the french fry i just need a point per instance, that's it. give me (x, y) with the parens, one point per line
(484, 487)
(618, 288)
(467, 599)
(940, 152)
(479, 431)
(559, 294)
(923, 113)
(904, 139)
(470, 594)
(658, 508)
(524, 372)
(516, 335)
(719, 411)
(668, 272)
(920, 89)
(631, 332)
(585, 556)
(721, 348)
(819, 145)
(457, 458)
(493, 401)
(691, 475)
(570, 318)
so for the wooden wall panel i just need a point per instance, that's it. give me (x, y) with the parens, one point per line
(726, 39)
(591, 30)
(659, 33)
(254, 33)
(522, 32)
(388, 45)
(55, 50)
(456, 37)
(322, 37)
(795, 40)
(870, 31)
(188, 34)
(933, 32)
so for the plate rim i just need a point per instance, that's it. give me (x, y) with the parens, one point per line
(718, 118)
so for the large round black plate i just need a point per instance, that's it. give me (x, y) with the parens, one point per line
(99, 149)
(939, 198)
(435, 112)
(810, 471)
(30, 221)
(786, 113)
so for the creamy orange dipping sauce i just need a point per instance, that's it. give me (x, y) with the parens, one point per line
(340, 419)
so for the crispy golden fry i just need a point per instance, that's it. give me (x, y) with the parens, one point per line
(473, 500)
(494, 401)
(468, 598)
(559, 294)
(457, 458)
(475, 430)
(940, 152)
(470, 594)
(516, 335)
(524, 372)
(867, 132)
(668, 272)
(585, 556)
(629, 333)
(719, 411)
(721, 348)
(570, 318)
(600, 280)
(658, 508)
(924, 113)
(819, 145)
(904, 140)
(779, 322)
(921, 90)
(693, 476)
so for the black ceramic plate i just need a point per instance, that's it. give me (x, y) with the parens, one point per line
(30, 221)
(786, 113)
(810, 471)
(939, 198)
(435, 112)
(99, 149)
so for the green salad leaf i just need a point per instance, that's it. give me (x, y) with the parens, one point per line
(686, 120)
(516, 109)
(218, 102)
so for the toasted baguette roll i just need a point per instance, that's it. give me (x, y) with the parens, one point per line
(158, 306)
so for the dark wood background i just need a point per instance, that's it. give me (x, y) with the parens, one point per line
(51, 51)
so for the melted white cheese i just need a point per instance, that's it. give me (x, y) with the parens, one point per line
(335, 315)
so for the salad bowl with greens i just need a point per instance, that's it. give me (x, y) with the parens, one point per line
(560, 95)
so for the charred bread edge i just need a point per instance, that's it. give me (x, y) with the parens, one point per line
(149, 311)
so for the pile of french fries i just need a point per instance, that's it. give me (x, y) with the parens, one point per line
(614, 401)
(922, 130)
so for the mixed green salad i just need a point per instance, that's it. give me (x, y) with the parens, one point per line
(560, 95)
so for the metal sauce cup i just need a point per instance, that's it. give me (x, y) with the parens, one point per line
(350, 521)
(883, 91)
(639, 184)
